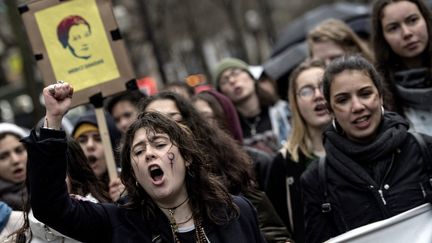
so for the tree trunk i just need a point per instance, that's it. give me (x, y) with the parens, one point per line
(233, 20)
(148, 29)
(196, 37)
(266, 16)
(27, 58)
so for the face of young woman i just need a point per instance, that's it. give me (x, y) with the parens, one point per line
(91, 144)
(205, 110)
(326, 51)
(356, 104)
(310, 100)
(166, 107)
(404, 29)
(237, 85)
(159, 167)
(13, 159)
(124, 114)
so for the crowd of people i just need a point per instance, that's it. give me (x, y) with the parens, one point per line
(235, 163)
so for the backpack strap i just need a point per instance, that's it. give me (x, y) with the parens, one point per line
(423, 147)
(322, 177)
(426, 153)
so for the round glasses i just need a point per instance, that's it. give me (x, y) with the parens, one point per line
(232, 74)
(308, 91)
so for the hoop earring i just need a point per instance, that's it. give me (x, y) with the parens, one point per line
(382, 110)
(136, 184)
(336, 126)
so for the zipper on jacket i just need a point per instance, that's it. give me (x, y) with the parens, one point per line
(380, 190)
(382, 196)
(289, 181)
(423, 190)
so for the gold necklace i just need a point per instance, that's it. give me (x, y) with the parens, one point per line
(171, 212)
(200, 236)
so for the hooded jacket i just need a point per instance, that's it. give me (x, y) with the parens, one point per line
(366, 182)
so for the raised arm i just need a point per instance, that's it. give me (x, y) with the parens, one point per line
(47, 160)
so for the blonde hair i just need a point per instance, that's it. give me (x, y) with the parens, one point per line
(298, 140)
(340, 33)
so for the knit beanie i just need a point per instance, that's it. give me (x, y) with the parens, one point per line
(231, 116)
(90, 119)
(84, 128)
(226, 64)
(13, 129)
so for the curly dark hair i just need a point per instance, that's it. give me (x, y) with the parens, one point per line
(229, 161)
(206, 194)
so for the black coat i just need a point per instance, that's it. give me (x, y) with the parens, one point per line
(92, 222)
(366, 183)
(283, 190)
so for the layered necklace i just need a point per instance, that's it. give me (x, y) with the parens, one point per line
(200, 236)
(253, 125)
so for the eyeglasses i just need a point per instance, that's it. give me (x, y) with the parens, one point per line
(308, 91)
(232, 74)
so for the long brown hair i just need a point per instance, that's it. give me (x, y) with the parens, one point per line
(231, 162)
(206, 194)
(82, 179)
(387, 61)
(298, 139)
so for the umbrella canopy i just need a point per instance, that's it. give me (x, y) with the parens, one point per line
(297, 30)
(291, 49)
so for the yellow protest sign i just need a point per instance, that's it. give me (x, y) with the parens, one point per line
(78, 41)
(77, 44)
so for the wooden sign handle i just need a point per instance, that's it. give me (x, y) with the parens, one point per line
(106, 142)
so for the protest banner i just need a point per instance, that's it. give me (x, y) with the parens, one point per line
(414, 226)
(78, 41)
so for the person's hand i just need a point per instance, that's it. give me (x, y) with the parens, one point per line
(116, 189)
(58, 99)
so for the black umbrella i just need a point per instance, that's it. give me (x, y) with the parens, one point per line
(297, 30)
(290, 49)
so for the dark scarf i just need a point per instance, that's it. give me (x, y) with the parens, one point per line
(14, 195)
(413, 87)
(350, 157)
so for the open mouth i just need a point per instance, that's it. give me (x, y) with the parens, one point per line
(18, 171)
(156, 172)
(361, 119)
(320, 107)
(91, 159)
(237, 90)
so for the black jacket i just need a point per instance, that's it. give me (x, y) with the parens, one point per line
(283, 190)
(92, 222)
(366, 182)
